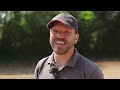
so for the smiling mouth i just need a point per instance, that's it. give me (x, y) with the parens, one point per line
(60, 43)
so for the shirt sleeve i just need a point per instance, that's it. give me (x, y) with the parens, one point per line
(97, 74)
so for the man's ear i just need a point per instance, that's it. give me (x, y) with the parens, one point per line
(76, 38)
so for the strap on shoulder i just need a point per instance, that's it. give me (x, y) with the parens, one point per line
(43, 64)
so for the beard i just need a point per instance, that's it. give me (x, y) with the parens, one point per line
(61, 49)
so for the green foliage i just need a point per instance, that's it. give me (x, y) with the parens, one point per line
(25, 32)
(87, 15)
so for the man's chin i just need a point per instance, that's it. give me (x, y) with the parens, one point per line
(59, 52)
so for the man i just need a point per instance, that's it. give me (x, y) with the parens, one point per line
(65, 62)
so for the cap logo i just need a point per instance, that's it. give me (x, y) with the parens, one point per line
(70, 20)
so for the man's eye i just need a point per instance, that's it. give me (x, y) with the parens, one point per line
(55, 31)
(66, 32)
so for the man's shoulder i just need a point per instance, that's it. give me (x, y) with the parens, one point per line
(40, 66)
(42, 60)
(91, 69)
(87, 62)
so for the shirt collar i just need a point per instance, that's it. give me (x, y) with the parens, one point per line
(70, 63)
(50, 59)
(73, 59)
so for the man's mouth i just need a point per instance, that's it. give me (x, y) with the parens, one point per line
(60, 42)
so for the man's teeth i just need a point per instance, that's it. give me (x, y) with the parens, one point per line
(59, 42)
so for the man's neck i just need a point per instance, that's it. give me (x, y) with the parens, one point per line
(61, 60)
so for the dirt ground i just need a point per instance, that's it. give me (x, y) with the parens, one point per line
(111, 69)
(23, 70)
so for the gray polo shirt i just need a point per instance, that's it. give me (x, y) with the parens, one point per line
(78, 67)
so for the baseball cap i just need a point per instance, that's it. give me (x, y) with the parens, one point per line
(66, 19)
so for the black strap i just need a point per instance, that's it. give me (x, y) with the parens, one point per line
(43, 64)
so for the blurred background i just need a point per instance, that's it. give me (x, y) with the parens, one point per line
(24, 40)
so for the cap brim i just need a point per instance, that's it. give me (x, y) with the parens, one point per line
(51, 24)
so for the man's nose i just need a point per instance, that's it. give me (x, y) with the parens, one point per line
(60, 35)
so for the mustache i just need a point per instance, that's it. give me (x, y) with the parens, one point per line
(60, 39)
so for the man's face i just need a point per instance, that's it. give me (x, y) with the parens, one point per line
(62, 38)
